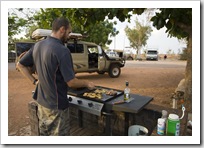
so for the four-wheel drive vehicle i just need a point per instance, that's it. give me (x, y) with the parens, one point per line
(152, 54)
(87, 56)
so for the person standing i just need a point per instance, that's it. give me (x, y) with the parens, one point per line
(54, 68)
(165, 57)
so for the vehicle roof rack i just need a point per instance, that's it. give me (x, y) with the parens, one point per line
(40, 33)
(76, 36)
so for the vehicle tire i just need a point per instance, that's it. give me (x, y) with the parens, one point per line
(129, 58)
(114, 71)
(101, 72)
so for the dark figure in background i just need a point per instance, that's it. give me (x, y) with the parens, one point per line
(165, 57)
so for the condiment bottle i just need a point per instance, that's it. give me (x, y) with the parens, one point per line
(126, 91)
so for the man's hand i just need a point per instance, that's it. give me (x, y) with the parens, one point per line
(90, 85)
(35, 82)
(76, 83)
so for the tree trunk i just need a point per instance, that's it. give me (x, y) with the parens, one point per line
(139, 53)
(188, 72)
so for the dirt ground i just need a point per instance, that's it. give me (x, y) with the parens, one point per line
(159, 83)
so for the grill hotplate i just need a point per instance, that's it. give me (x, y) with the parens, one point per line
(105, 97)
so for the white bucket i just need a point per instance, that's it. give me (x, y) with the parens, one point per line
(137, 130)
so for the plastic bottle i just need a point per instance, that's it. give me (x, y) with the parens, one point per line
(161, 123)
(161, 126)
(126, 91)
(164, 114)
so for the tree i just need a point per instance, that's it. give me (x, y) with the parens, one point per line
(14, 24)
(178, 23)
(18, 20)
(100, 32)
(138, 36)
(183, 54)
(96, 31)
(83, 19)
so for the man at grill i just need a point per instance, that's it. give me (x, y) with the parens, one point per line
(54, 68)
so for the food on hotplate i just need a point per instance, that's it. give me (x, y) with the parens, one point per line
(101, 91)
(111, 92)
(98, 93)
(93, 95)
(106, 91)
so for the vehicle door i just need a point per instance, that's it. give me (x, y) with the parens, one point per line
(79, 56)
(101, 59)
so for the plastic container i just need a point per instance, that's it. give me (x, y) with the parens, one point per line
(161, 125)
(173, 125)
(164, 114)
(137, 130)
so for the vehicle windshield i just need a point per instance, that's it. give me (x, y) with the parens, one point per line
(151, 52)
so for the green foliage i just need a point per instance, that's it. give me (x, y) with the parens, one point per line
(184, 55)
(100, 32)
(139, 35)
(89, 21)
(11, 47)
(178, 21)
(14, 26)
(17, 24)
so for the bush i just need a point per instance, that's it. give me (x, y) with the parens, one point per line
(183, 55)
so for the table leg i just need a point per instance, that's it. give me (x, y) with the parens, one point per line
(126, 124)
(80, 118)
(108, 126)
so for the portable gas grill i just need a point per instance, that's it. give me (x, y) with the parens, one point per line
(106, 105)
(91, 105)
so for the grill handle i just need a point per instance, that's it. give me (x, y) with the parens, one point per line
(107, 114)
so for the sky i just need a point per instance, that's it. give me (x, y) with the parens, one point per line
(158, 39)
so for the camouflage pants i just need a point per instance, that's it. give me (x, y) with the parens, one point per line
(53, 122)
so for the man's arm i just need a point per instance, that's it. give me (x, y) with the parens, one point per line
(76, 83)
(26, 71)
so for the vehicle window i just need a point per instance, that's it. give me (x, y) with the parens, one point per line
(92, 49)
(152, 52)
(75, 48)
(22, 47)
